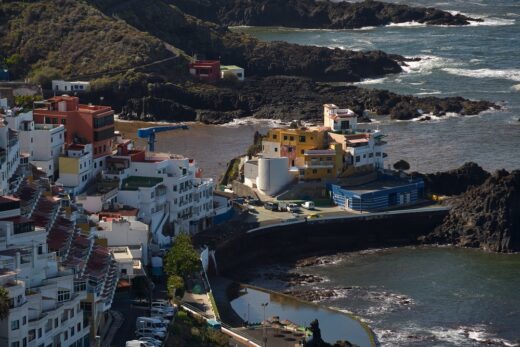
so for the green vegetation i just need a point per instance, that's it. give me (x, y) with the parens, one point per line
(214, 305)
(134, 182)
(181, 261)
(4, 303)
(402, 165)
(175, 286)
(188, 331)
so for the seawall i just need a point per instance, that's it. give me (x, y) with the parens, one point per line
(291, 240)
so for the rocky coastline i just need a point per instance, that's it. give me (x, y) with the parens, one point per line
(316, 14)
(286, 98)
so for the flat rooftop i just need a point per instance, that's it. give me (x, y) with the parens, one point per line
(136, 182)
(387, 182)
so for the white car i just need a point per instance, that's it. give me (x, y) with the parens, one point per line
(155, 342)
(149, 332)
(293, 208)
(309, 205)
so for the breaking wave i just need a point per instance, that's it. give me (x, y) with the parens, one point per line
(508, 74)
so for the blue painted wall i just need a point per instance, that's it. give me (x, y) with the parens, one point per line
(376, 200)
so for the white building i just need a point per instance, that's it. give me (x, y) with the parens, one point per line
(43, 143)
(70, 86)
(9, 155)
(45, 307)
(124, 230)
(76, 168)
(268, 175)
(362, 147)
(237, 71)
(167, 189)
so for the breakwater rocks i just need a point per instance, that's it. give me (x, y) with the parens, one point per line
(315, 14)
(454, 182)
(283, 97)
(485, 216)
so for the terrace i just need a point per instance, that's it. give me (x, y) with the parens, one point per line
(136, 182)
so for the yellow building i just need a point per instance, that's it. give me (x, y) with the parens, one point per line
(321, 164)
(292, 143)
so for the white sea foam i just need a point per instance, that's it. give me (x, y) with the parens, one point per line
(508, 74)
(371, 81)
(516, 87)
(412, 24)
(492, 21)
(237, 122)
(427, 64)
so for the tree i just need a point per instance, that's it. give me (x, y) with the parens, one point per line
(175, 286)
(402, 165)
(141, 287)
(182, 259)
(44, 76)
(4, 303)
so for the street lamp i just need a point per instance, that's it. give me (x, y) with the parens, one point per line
(264, 305)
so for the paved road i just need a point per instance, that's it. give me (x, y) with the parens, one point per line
(124, 303)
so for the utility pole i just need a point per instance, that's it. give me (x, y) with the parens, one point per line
(264, 323)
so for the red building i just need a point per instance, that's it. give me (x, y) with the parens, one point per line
(207, 70)
(83, 123)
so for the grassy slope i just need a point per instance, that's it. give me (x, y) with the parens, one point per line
(74, 37)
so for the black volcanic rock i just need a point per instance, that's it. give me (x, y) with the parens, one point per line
(286, 98)
(315, 14)
(454, 182)
(486, 216)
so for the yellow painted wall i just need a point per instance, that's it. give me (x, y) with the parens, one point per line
(69, 165)
(314, 139)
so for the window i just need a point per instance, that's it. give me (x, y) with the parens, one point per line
(80, 286)
(55, 323)
(54, 121)
(24, 344)
(357, 158)
(72, 331)
(285, 137)
(39, 332)
(302, 138)
(78, 327)
(40, 249)
(65, 335)
(275, 136)
(329, 158)
(302, 151)
(329, 171)
(378, 154)
(24, 320)
(63, 295)
(15, 324)
(276, 149)
(364, 155)
(15, 344)
(291, 138)
(314, 171)
(63, 121)
(290, 149)
(370, 155)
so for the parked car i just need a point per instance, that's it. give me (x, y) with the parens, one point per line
(150, 322)
(272, 206)
(149, 332)
(293, 208)
(309, 205)
(137, 343)
(253, 201)
(155, 342)
(313, 216)
(167, 313)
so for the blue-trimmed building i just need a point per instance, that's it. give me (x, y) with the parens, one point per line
(385, 193)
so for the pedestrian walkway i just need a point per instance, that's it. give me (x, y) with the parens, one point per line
(114, 322)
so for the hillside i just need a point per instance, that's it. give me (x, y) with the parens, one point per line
(71, 38)
(315, 14)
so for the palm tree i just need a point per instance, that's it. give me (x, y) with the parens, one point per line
(4, 303)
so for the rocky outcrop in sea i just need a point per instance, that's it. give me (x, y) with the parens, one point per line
(315, 14)
(485, 216)
(286, 98)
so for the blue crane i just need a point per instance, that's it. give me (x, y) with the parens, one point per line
(149, 133)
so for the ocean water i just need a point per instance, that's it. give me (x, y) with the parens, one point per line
(437, 296)
(480, 61)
